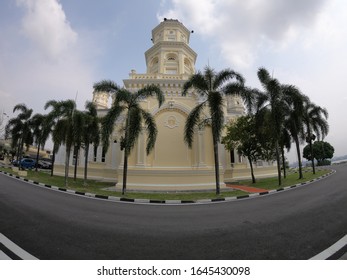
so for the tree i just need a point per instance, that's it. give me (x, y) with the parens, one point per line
(128, 104)
(41, 127)
(241, 134)
(293, 123)
(91, 133)
(19, 129)
(64, 129)
(321, 152)
(78, 122)
(284, 143)
(212, 87)
(272, 100)
(314, 121)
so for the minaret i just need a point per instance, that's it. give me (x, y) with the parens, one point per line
(100, 99)
(170, 53)
(235, 105)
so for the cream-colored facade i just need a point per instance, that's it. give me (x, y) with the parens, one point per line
(172, 165)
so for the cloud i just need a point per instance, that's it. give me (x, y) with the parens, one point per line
(240, 28)
(45, 24)
(43, 58)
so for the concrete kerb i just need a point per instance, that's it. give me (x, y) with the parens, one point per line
(166, 202)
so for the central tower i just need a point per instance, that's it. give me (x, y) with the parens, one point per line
(170, 53)
(172, 165)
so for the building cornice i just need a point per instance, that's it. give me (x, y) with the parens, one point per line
(176, 46)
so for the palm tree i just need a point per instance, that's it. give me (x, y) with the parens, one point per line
(78, 122)
(294, 109)
(315, 121)
(284, 143)
(272, 99)
(41, 127)
(128, 103)
(19, 129)
(63, 132)
(91, 133)
(212, 87)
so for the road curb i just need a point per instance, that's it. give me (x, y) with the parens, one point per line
(167, 202)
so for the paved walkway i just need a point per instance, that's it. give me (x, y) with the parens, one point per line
(246, 188)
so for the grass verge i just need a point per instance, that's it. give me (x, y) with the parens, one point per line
(291, 179)
(97, 187)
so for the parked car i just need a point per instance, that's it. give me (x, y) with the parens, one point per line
(44, 164)
(28, 163)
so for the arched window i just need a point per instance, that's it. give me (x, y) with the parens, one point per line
(171, 57)
(188, 69)
(171, 63)
(154, 61)
(154, 65)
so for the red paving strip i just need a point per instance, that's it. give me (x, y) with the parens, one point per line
(246, 188)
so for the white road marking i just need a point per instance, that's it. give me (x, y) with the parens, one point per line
(15, 249)
(331, 250)
(3, 256)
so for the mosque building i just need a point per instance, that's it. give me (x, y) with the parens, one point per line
(171, 165)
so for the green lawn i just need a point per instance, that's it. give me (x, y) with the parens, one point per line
(292, 179)
(97, 187)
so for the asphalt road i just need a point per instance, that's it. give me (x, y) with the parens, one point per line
(294, 224)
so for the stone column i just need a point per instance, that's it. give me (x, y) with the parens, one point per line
(201, 148)
(141, 150)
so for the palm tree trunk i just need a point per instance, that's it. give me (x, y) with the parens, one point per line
(67, 162)
(86, 152)
(126, 153)
(18, 149)
(278, 164)
(297, 144)
(125, 171)
(53, 160)
(284, 163)
(37, 157)
(216, 162)
(20, 154)
(312, 157)
(252, 171)
(76, 150)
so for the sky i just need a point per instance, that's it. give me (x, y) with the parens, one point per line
(57, 49)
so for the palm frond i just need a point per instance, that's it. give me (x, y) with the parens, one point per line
(151, 90)
(50, 103)
(263, 76)
(78, 122)
(209, 75)
(92, 128)
(91, 108)
(60, 131)
(123, 96)
(226, 75)
(196, 82)
(151, 129)
(61, 109)
(215, 103)
(134, 127)
(192, 121)
(315, 119)
(108, 121)
(21, 107)
(106, 86)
